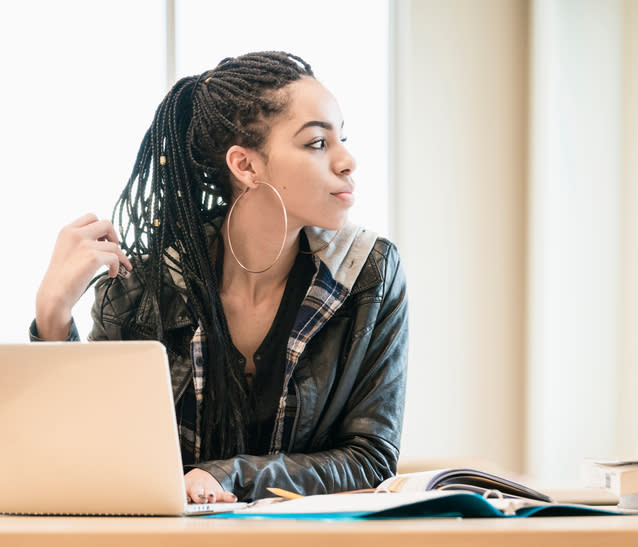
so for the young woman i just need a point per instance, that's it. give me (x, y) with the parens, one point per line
(285, 326)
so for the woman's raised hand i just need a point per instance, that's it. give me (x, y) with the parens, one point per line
(81, 249)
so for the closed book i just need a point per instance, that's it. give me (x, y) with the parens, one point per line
(617, 476)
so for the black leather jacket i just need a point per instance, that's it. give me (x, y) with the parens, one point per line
(350, 380)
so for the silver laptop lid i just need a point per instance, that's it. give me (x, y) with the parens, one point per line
(88, 428)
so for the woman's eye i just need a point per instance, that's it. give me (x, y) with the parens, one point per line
(318, 144)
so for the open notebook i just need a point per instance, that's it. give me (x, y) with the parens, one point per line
(89, 428)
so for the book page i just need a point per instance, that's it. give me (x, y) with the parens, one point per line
(364, 502)
(410, 482)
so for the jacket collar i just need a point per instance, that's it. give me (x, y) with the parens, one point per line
(345, 258)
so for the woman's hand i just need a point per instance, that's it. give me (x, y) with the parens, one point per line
(81, 249)
(202, 487)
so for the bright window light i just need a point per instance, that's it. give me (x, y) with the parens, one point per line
(83, 79)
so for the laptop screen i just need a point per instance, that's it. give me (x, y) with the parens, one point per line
(88, 428)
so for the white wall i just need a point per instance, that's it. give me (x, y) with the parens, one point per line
(459, 179)
(627, 407)
(515, 178)
(574, 261)
(75, 102)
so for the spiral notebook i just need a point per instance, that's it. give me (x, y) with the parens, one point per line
(89, 428)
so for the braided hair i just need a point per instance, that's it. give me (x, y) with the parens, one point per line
(179, 184)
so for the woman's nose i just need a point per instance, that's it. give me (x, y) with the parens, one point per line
(345, 163)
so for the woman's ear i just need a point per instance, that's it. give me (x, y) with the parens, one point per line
(240, 161)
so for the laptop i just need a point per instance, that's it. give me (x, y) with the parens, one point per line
(89, 428)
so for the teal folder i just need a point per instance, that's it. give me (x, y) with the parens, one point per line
(425, 505)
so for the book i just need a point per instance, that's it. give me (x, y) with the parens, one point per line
(465, 479)
(428, 504)
(459, 492)
(618, 476)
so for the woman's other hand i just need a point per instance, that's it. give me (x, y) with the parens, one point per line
(81, 249)
(202, 487)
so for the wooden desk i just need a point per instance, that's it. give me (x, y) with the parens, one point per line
(125, 531)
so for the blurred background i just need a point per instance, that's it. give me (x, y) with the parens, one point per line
(496, 145)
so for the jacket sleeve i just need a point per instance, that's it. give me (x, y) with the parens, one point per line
(115, 304)
(74, 335)
(365, 449)
(106, 325)
(99, 329)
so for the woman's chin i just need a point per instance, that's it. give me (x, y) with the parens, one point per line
(332, 227)
(335, 223)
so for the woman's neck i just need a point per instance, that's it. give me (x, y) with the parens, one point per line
(257, 253)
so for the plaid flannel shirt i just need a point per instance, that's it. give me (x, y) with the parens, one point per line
(323, 298)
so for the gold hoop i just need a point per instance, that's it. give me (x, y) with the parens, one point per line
(283, 241)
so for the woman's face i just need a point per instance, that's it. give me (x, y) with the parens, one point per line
(307, 159)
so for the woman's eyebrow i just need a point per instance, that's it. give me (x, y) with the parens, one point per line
(316, 123)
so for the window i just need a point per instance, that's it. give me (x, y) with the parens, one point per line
(82, 81)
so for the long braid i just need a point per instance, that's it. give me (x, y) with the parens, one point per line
(179, 184)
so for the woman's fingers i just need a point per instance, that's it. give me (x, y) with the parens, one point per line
(84, 220)
(199, 492)
(100, 229)
(103, 231)
(109, 248)
(227, 497)
(202, 487)
(110, 260)
(82, 247)
(90, 233)
(206, 496)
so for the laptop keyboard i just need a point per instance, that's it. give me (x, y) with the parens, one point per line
(210, 508)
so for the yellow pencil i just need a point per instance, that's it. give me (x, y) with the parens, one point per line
(284, 493)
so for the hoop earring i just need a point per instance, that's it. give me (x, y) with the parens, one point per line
(323, 246)
(283, 241)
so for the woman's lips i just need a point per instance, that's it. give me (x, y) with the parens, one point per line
(347, 197)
